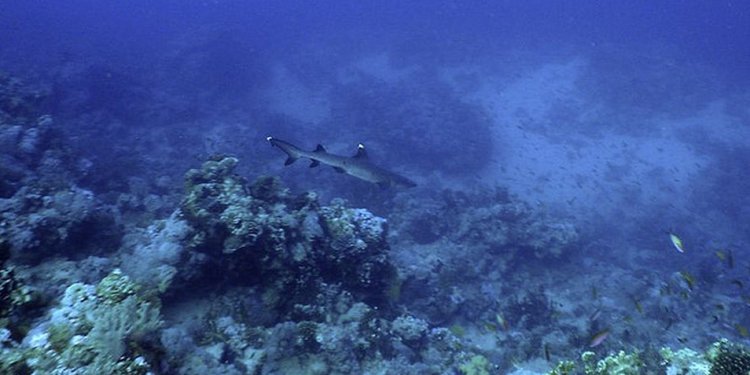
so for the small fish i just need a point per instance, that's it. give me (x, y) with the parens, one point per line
(597, 313)
(670, 321)
(738, 283)
(726, 256)
(689, 279)
(457, 330)
(490, 327)
(677, 242)
(594, 293)
(598, 338)
(547, 354)
(502, 322)
(637, 303)
(742, 330)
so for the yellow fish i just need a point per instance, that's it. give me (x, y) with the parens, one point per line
(742, 330)
(689, 279)
(677, 242)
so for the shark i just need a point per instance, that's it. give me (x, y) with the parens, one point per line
(357, 166)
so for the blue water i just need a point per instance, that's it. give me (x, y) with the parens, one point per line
(616, 123)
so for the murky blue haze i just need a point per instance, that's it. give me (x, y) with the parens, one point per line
(581, 172)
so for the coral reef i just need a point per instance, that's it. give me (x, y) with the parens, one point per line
(723, 357)
(39, 223)
(685, 362)
(102, 329)
(18, 101)
(476, 365)
(337, 334)
(458, 249)
(620, 363)
(312, 284)
(152, 256)
(489, 219)
(258, 234)
(14, 296)
(42, 210)
(728, 358)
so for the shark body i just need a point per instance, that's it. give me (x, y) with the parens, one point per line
(358, 165)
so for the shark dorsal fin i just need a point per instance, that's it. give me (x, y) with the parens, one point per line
(361, 153)
(320, 148)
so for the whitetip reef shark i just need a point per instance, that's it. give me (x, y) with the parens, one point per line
(358, 165)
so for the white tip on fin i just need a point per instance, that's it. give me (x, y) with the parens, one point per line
(361, 153)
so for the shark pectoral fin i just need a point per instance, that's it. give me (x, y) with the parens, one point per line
(314, 163)
(339, 169)
(289, 160)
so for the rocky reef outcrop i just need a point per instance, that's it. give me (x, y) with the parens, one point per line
(259, 234)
